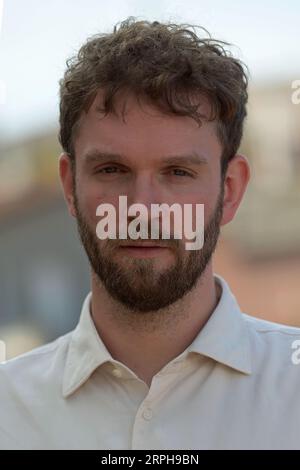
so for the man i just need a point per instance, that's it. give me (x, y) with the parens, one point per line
(162, 357)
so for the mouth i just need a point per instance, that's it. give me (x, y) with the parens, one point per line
(143, 250)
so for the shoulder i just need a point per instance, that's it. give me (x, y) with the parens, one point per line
(30, 385)
(273, 345)
(33, 369)
(276, 330)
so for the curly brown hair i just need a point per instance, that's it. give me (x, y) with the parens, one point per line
(164, 63)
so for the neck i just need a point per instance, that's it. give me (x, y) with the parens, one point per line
(146, 342)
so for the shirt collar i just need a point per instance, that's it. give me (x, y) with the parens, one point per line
(223, 338)
(86, 351)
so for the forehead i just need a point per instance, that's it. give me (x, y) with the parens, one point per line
(140, 128)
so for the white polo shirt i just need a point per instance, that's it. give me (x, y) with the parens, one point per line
(235, 387)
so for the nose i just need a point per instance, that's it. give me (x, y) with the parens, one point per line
(144, 190)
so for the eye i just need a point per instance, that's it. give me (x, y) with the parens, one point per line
(108, 169)
(181, 172)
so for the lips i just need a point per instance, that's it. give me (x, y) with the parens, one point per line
(143, 250)
(143, 245)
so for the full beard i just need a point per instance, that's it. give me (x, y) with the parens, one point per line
(138, 286)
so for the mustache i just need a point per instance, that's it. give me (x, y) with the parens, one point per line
(160, 242)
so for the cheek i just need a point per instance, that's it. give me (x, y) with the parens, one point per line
(90, 196)
(206, 195)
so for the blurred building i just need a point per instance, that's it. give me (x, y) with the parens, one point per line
(43, 271)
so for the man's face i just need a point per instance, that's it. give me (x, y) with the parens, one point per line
(151, 279)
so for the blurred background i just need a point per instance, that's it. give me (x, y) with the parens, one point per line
(44, 274)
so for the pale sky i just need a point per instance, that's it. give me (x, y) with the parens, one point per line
(38, 36)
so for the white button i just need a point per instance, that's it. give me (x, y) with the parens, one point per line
(117, 372)
(147, 414)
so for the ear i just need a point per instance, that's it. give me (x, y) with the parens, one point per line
(66, 178)
(235, 183)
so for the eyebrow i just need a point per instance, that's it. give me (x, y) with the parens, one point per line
(100, 157)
